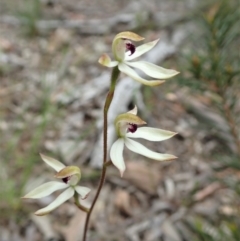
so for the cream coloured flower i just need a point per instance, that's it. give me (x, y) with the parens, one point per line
(127, 127)
(124, 51)
(70, 176)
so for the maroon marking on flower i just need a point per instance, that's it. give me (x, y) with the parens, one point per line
(131, 47)
(66, 179)
(132, 127)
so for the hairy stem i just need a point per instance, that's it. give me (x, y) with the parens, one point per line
(108, 101)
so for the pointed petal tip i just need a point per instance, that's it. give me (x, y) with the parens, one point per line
(172, 158)
(84, 197)
(161, 82)
(41, 155)
(156, 41)
(122, 170)
(82, 191)
(176, 73)
(37, 213)
(121, 173)
(134, 110)
(172, 134)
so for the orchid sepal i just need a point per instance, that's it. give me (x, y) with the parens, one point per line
(124, 68)
(151, 134)
(45, 189)
(63, 197)
(55, 164)
(153, 70)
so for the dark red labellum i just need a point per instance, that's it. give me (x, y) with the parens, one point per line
(65, 179)
(132, 128)
(131, 48)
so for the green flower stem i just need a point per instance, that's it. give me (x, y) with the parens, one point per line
(108, 101)
(114, 77)
(78, 204)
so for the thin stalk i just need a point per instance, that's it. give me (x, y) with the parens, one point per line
(78, 204)
(114, 77)
(108, 101)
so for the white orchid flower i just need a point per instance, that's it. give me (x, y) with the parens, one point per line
(127, 128)
(124, 51)
(70, 176)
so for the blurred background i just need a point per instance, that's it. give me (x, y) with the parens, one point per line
(52, 92)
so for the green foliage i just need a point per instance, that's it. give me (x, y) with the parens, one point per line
(205, 231)
(29, 14)
(20, 148)
(214, 67)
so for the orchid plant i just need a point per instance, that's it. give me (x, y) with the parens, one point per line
(128, 126)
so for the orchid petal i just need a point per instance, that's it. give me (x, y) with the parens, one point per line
(105, 60)
(46, 189)
(63, 197)
(126, 118)
(116, 155)
(153, 70)
(131, 73)
(151, 134)
(141, 149)
(55, 164)
(133, 111)
(140, 50)
(128, 35)
(82, 191)
(68, 171)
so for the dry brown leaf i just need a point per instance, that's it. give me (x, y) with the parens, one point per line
(122, 201)
(207, 191)
(5, 45)
(74, 230)
(143, 176)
